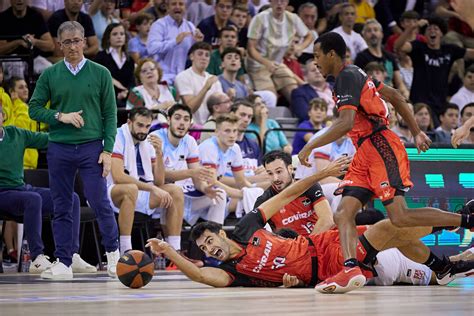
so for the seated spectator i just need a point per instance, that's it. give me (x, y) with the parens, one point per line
(5, 100)
(291, 61)
(467, 113)
(72, 12)
(211, 26)
(408, 20)
(182, 167)
(231, 65)
(376, 70)
(228, 38)
(102, 14)
(401, 128)
(317, 117)
(195, 84)
(261, 123)
(373, 35)
(199, 10)
(423, 117)
(465, 95)
(114, 57)
(27, 30)
(239, 17)
(270, 34)
(32, 203)
(170, 39)
(308, 12)
(449, 122)
(19, 117)
(316, 87)
(218, 103)
(406, 70)
(151, 92)
(354, 41)
(137, 45)
(392, 116)
(137, 180)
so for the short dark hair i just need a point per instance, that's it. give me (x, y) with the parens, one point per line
(106, 37)
(240, 7)
(409, 15)
(200, 228)
(439, 22)
(228, 28)
(277, 154)
(374, 66)
(449, 106)
(142, 18)
(200, 45)
(469, 69)
(332, 41)
(230, 50)
(466, 106)
(140, 111)
(318, 103)
(238, 102)
(177, 107)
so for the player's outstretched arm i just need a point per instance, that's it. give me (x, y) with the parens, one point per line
(339, 128)
(462, 132)
(272, 206)
(210, 276)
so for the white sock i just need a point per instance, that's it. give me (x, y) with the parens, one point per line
(174, 241)
(125, 244)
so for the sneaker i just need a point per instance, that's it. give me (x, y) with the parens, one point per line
(80, 266)
(171, 267)
(40, 264)
(458, 269)
(57, 271)
(346, 280)
(112, 260)
(467, 255)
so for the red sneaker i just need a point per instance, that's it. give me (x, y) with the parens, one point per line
(346, 280)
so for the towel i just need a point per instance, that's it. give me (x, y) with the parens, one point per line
(130, 161)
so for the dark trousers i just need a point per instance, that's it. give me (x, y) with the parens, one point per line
(64, 161)
(33, 203)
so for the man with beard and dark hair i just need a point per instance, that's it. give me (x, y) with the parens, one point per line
(181, 161)
(137, 178)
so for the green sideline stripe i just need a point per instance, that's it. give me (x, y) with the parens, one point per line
(441, 154)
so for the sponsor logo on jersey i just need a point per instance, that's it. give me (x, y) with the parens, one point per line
(306, 202)
(256, 241)
(297, 216)
(181, 157)
(264, 259)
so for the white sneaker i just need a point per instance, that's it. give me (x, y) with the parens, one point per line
(40, 264)
(80, 266)
(57, 271)
(112, 260)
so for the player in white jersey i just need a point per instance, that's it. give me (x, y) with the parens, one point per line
(136, 181)
(181, 161)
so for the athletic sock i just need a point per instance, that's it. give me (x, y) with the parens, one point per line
(351, 263)
(371, 251)
(125, 244)
(436, 264)
(174, 241)
(467, 221)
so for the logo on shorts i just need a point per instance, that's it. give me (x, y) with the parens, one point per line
(306, 202)
(384, 184)
(318, 194)
(256, 241)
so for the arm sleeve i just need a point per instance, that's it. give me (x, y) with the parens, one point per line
(35, 140)
(41, 96)
(237, 160)
(348, 90)
(262, 198)
(157, 42)
(119, 146)
(193, 151)
(109, 111)
(315, 194)
(181, 84)
(88, 26)
(208, 154)
(255, 28)
(301, 28)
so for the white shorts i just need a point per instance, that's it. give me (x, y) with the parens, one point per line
(143, 202)
(196, 207)
(393, 267)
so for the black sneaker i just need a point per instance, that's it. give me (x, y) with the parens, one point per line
(458, 269)
(468, 208)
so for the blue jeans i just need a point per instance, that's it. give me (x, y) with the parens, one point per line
(33, 203)
(64, 161)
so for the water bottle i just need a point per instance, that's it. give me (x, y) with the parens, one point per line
(160, 262)
(25, 257)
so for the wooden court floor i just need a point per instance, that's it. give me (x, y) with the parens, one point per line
(170, 293)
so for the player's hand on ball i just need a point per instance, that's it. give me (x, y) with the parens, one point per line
(338, 167)
(290, 280)
(422, 142)
(157, 246)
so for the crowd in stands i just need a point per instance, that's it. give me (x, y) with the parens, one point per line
(224, 66)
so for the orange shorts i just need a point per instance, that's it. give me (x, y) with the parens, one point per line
(380, 169)
(329, 252)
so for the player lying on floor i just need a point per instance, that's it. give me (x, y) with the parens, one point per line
(256, 257)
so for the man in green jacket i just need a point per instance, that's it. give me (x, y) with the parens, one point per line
(83, 123)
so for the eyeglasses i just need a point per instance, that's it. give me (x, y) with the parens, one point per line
(69, 43)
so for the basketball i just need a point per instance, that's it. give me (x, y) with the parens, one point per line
(135, 269)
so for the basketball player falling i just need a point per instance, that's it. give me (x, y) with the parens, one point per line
(256, 257)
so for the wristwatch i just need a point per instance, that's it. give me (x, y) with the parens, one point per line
(57, 115)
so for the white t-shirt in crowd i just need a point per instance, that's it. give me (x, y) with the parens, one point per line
(354, 41)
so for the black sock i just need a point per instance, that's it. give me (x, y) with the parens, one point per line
(436, 264)
(440, 228)
(371, 251)
(467, 221)
(351, 263)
